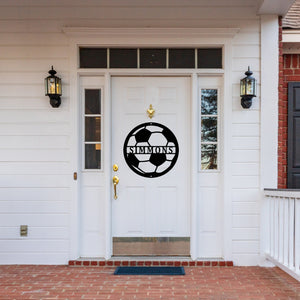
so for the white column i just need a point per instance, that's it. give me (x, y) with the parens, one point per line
(269, 114)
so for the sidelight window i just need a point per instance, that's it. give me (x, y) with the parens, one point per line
(209, 129)
(92, 129)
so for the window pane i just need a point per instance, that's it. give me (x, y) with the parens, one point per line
(209, 101)
(153, 58)
(181, 58)
(93, 57)
(209, 129)
(93, 156)
(210, 58)
(123, 58)
(92, 102)
(92, 129)
(209, 157)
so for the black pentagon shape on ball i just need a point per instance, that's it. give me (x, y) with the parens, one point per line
(168, 135)
(142, 135)
(157, 159)
(132, 159)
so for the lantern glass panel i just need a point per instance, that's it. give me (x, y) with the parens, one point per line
(51, 85)
(249, 86)
(243, 87)
(58, 86)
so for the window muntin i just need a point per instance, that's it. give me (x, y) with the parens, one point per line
(209, 129)
(92, 129)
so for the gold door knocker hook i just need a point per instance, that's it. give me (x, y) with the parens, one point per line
(150, 111)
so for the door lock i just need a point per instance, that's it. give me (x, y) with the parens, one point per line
(115, 167)
(115, 182)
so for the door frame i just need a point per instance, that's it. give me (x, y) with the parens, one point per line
(185, 111)
(151, 37)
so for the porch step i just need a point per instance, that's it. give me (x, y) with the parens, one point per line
(151, 261)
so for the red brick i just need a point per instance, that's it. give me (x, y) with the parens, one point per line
(133, 263)
(295, 60)
(199, 263)
(117, 263)
(287, 61)
(155, 263)
(222, 263)
(293, 78)
(192, 263)
(110, 263)
(184, 263)
(214, 263)
(78, 263)
(162, 263)
(207, 263)
(229, 263)
(140, 263)
(71, 263)
(94, 263)
(101, 263)
(148, 263)
(86, 263)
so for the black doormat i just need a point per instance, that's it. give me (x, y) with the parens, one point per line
(149, 271)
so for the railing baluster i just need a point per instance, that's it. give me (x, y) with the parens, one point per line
(297, 236)
(286, 232)
(276, 227)
(271, 247)
(280, 229)
(291, 233)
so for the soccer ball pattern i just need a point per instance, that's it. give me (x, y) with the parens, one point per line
(151, 149)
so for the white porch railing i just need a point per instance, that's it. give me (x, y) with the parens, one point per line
(283, 229)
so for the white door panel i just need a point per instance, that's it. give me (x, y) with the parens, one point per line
(151, 206)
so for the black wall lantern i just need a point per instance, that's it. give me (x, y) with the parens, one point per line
(248, 89)
(53, 88)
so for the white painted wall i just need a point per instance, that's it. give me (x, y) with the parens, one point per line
(37, 144)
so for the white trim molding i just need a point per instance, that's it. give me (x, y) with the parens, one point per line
(153, 37)
(150, 36)
(291, 41)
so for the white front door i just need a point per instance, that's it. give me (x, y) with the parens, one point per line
(153, 197)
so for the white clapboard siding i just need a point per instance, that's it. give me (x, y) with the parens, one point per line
(35, 194)
(36, 147)
(246, 152)
(37, 233)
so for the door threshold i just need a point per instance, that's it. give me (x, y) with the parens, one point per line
(151, 258)
(149, 261)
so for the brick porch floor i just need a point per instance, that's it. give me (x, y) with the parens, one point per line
(63, 282)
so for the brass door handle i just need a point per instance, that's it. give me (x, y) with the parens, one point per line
(115, 182)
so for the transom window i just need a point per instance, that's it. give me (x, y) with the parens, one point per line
(151, 58)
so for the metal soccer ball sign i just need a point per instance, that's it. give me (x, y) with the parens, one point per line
(151, 149)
